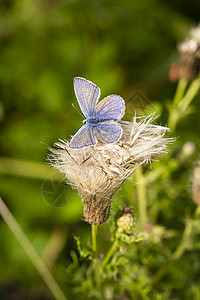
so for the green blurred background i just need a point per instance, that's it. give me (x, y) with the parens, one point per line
(123, 47)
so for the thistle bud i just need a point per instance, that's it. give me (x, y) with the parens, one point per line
(126, 222)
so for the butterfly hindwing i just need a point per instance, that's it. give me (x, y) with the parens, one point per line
(110, 108)
(83, 138)
(109, 132)
(87, 94)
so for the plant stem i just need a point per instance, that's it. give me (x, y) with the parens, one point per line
(28, 169)
(180, 90)
(142, 200)
(94, 229)
(189, 96)
(183, 245)
(173, 114)
(31, 252)
(109, 254)
(180, 102)
(197, 212)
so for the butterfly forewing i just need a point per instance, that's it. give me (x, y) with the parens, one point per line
(83, 138)
(87, 94)
(110, 108)
(110, 132)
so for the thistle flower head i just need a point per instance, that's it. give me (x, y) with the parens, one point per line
(98, 171)
(189, 49)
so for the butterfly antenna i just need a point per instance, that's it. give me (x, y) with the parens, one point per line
(78, 111)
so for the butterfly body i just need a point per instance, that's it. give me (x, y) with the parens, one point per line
(101, 119)
(92, 120)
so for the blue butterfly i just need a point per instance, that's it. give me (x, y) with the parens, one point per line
(101, 119)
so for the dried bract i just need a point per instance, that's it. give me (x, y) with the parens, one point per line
(98, 171)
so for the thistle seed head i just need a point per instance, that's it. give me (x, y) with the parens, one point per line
(98, 171)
